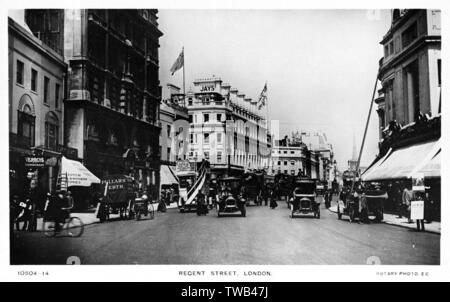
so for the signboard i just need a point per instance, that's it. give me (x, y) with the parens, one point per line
(417, 209)
(418, 182)
(184, 165)
(34, 161)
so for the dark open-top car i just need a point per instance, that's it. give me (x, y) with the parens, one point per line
(230, 200)
(304, 198)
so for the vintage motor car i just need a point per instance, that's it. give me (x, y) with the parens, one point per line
(304, 199)
(230, 200)
(362, 204)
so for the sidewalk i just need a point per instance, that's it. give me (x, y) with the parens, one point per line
(433, 227)
(90, 218)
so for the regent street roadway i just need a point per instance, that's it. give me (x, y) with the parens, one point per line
(265, 236)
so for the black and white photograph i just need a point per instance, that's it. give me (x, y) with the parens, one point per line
(224, 136)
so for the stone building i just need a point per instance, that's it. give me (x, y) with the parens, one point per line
(226, 128)
(409, 105)
(113, 90)
(36, 85)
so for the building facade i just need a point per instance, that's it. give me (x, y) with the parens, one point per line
(308, 153)
(174, 120)
(227, 129)
(409, 106)
(113, 91)
(36, 84)
(410, 70)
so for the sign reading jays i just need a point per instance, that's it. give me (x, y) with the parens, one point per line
(208, 88)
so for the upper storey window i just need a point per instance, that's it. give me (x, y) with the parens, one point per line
(409, 35)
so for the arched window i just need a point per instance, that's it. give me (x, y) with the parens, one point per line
(51, 131)
(26, 124)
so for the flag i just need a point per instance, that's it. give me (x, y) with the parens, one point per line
(262, 97)
(178, 63)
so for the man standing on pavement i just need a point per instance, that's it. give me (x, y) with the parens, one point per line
(407, 198)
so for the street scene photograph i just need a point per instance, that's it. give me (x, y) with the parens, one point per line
(224, 136)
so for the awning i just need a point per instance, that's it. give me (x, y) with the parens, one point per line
(404, 162)
(76, 174)
(167, 176)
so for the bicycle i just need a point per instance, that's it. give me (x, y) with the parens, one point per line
(72, 226)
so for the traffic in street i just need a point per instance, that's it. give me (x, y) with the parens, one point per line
(264, 236)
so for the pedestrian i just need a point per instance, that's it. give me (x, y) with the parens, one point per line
(407, 197)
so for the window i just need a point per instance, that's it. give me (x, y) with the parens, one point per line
(195, 119)
(391, 48)
(205, 118)
(411, 81)
(285, 171)
(168, 130)
(206, 153)
(190, 118)
(56, 95)
(33, 80)
(190, 102)
(409, 35)
(46, 83)
(219, 156)
(292, 152)
(292, 162)
(292, 172)
(285, 152)
(279, 163)
(439, 72)
(191, 138)
(25, 126)
(168, 154)
(219, 117)
(285, 163)
(51, 131)
(219, 137)
(19, 73)
(206, 138)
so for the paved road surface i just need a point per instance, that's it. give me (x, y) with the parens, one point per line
(265, 236)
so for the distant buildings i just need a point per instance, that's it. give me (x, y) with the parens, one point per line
(309, 153)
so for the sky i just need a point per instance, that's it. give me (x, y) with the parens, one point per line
(320, 65)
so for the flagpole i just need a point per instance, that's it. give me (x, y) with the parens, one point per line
(184, 87)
